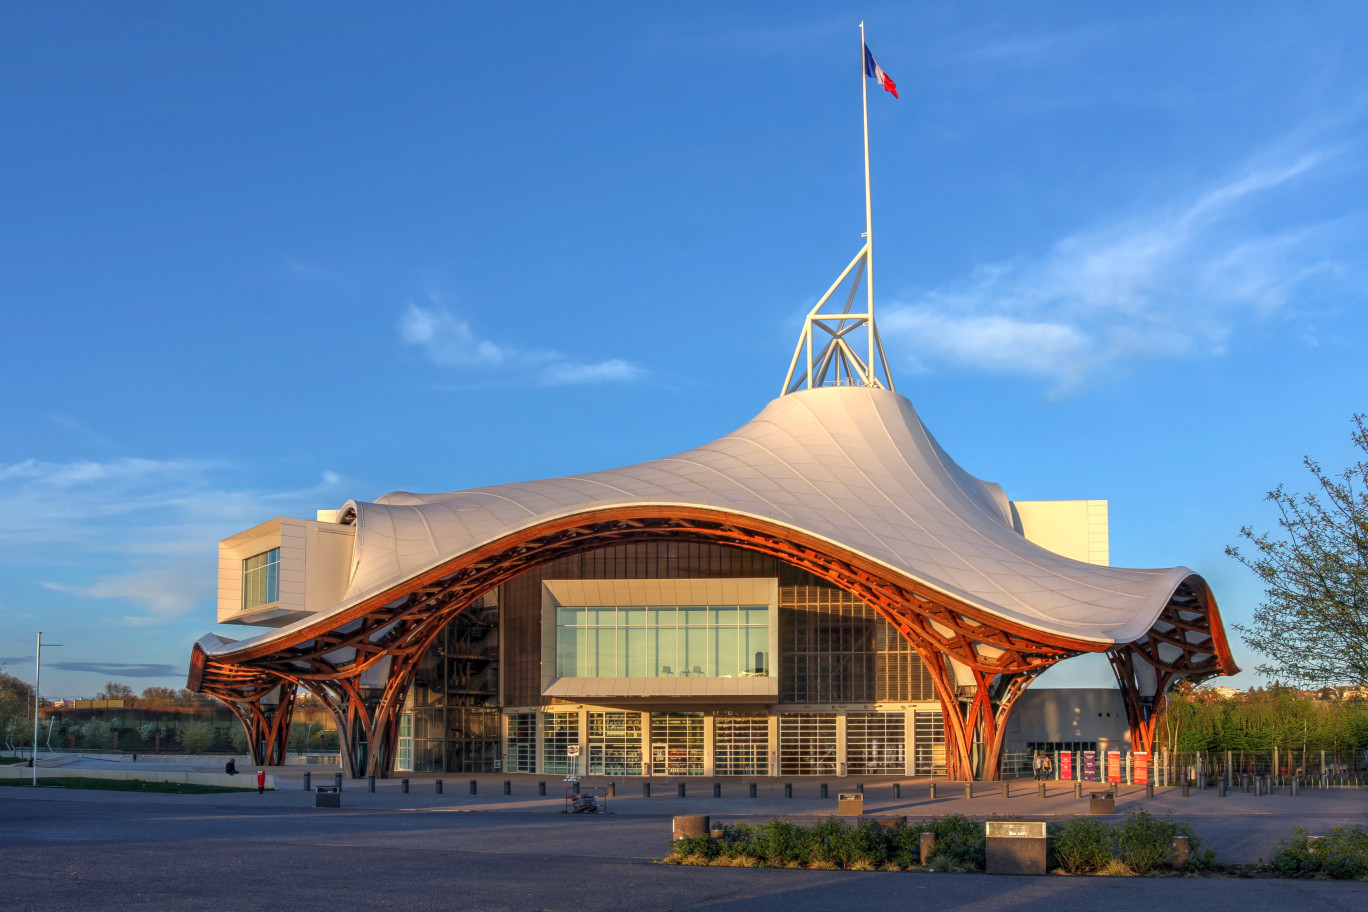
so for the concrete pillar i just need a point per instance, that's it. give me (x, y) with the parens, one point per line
(709, 742)
(841, 743)
(774, 745)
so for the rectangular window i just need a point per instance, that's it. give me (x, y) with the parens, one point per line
(876, 743)
(740, 745)
(662, 641)
(929, 735)
(261, 579)
(807, 744)
(561, 731)
(522, 742)
(676, 744)
(614, 744)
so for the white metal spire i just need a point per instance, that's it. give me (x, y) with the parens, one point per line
(833, 360)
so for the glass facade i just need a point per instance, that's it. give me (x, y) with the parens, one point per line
(662, 641)
(261, 579)
(807, 744)
(455, 697)
(929, 732)
(560, 730)
(876, 743)
(615, 744)
(740, 745)
(677, 744)
(522, 742)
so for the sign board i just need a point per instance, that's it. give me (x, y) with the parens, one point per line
(1140, 767)
(572, 750)
(1034, 829)
(1090, 765)
(1066, 770)
(1113, 766)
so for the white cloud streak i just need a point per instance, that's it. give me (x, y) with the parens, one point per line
(450, 342)
(139, 533)
(1171, 284)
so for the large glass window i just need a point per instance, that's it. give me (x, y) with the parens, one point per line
(261, 579)
(740, 745)
(615, 744)
(807, 744)
(929, 732)
(876, 743)
(662, 641)
(522, 742)
(560, 730)
(676, 744)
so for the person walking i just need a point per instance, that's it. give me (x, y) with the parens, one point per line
(1036, 766)
(1046, 766)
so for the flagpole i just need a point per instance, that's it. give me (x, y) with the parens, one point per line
(869, 209)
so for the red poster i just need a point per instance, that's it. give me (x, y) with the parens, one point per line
(1066, 764)
(1113, 766)
(1140, 761)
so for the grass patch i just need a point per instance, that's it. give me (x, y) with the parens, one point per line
(123, 785)
(9, 761)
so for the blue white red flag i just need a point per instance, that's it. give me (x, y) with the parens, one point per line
(874, 71)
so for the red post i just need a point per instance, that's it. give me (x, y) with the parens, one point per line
(261, 782)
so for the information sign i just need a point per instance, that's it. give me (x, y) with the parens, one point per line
(572, 750)
(1090, 766)
(1066, 770)
(1113, 766)
(1140, 767)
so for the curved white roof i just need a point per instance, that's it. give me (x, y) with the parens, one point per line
(851, 465)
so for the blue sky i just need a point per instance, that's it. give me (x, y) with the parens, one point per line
(257, 261)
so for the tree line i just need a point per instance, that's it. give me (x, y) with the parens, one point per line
(1261, 720)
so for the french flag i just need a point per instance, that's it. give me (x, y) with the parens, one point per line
(874, 71)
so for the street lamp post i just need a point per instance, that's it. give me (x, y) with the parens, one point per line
(37, 701)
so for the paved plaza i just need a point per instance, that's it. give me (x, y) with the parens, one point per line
(64, 849)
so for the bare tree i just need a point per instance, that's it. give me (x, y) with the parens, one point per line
(1313, 622)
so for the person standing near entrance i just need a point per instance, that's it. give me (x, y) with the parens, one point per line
(1046, 767)
(1037, 766)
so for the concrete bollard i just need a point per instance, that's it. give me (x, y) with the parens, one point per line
(824, 790)
(508, 787)
(1078, 789)
(1182, 851)
(541, 789)
(788, 789)
(337, 781)
(612, 790)
(681, 790)
(1221, 787)
(645, 790)
(1183, 789)
(1040, 790)
(307, 778)
(403, 786)
(1296, 786)
(1149, 789)
(753, 791)
(928, 846)
(370, 783)
(897, 790)
(931, 792)
(474, 786)
(692, 826)
(1006, 789)
(859, 787)
(968, 790)
(717, 790)
(438, 786)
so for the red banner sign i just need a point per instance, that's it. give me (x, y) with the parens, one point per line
(1066, 764)
(1113, 766)
(1140, 767)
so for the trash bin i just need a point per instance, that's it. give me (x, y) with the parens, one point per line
(328, 796)
(1014, 847)
(1102, 803)
(849, 804)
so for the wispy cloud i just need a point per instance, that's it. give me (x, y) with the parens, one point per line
(121, 669)
(451, 342)
(1170, 283)
(136, 533)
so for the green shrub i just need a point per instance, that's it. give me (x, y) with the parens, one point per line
(959, 838)
(197, 737)
(1342, 853)
(1081, 845)
(780, 842)
(1144, 842)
